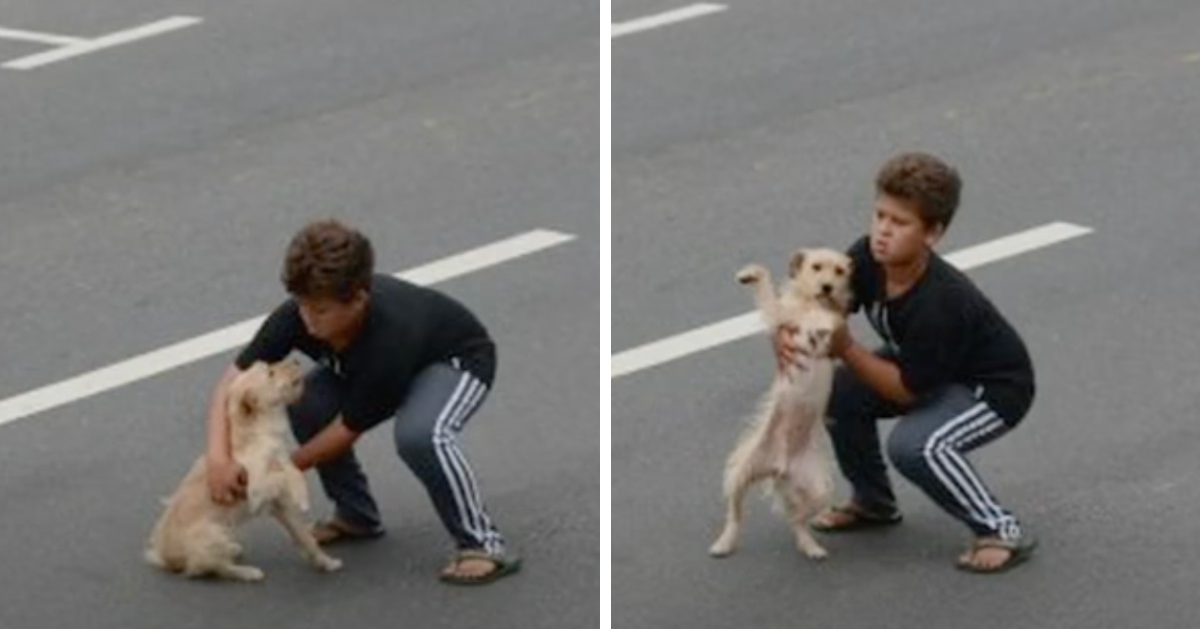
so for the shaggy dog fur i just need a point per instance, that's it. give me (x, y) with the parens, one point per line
(195, 535)
(786, 442)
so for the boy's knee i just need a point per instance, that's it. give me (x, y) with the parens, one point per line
(845, 397)
(852, 401)
(907, 453)
(413, 442)
(305, 421)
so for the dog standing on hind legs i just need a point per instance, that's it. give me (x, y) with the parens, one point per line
(786, 442)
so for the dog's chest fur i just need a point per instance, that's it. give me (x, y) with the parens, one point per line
(799, 411)
(263, 451)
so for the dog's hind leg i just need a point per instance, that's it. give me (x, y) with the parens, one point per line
(740, 475)
(803, 509)
(727, 541)
(287, 512)
(808, 492)
(211, 551)
(235, 571)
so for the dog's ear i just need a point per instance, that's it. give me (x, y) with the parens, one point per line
(796, 263)
(241, 401)
(248, 402)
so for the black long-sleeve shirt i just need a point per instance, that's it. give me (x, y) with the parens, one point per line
(944, 330)
(407, 328)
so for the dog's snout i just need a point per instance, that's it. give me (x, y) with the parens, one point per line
(827, 288)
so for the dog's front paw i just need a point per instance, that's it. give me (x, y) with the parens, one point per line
(811, 549)
(325, 563)
(752, 274)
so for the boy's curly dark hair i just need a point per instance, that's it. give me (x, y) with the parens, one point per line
(927, 183)
(328, 260)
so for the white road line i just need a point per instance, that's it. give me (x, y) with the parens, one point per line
(88, 46)
(749, 324)
(215, 342)
(662, 19)
(41, 38)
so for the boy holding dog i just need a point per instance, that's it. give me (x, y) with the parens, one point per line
(385, 348)
(952, 368)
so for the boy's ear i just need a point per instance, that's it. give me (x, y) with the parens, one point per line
(796, 263)
(934, 234)
(361, 296)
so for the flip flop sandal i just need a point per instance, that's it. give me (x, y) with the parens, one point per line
(1018, 552)
(334, 530)
(504, 566)
(855, 518)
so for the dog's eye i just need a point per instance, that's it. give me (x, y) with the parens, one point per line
(817, 267)
(841, 271)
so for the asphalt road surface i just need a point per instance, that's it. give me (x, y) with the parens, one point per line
(742, 134)
(147, 190)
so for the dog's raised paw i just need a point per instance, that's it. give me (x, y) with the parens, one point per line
(751, 274)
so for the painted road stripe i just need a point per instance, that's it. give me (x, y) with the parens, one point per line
(88, 46)
(200, 347)
(663, 19)
(749, 324)
(50, 39)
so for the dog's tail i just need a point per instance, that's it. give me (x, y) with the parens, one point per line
(152, 554)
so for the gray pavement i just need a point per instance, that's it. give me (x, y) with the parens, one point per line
(741, 136)
(146, 193)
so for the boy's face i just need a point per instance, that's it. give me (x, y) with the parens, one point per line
(332, 320)
(898, 235)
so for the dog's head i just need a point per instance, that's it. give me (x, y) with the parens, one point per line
(265, 387)
(822, 274)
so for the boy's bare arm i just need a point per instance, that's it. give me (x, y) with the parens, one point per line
(226, 477)
(880, 374)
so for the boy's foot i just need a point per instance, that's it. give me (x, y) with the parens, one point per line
(991, 554)
(852, 517)
(336, 529)
(476, 567)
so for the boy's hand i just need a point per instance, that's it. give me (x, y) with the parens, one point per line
(226, 481)
(788, 353)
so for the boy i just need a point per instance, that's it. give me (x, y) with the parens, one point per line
(952, 368)
(385, 348)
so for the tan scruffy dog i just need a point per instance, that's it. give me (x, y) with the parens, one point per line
(195, 535)
(786, 442)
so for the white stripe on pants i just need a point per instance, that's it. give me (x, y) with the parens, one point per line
(462, 403)
(942, 453)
